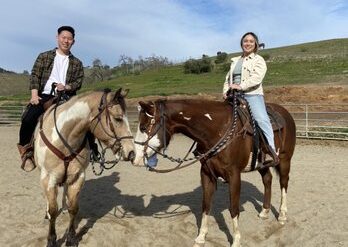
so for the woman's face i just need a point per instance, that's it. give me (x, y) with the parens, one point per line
(248, 44)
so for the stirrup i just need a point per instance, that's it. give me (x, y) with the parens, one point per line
(24, 161)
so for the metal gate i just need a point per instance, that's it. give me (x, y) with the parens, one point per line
(313, 121)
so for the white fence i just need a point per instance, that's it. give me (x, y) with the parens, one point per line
(320, 121)
(313, 121)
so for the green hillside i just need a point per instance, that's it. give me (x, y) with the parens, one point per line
(315, 62)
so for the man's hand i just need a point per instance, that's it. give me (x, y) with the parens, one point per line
(35, 100)
(60, 87)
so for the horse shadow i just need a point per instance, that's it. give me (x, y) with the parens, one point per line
(101, 196)
(193, 200)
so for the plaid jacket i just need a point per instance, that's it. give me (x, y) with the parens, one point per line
(42, 70)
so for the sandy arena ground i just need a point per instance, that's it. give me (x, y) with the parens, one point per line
(129, 206)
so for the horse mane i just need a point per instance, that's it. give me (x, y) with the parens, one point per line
(119, 99)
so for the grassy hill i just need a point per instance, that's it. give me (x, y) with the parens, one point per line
(315, 62)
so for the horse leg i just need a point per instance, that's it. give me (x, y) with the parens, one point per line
(51, 190)
(73, 191)
(283, 169)
(208, 186)
(64, 199)
(267, 183)
(234, 187)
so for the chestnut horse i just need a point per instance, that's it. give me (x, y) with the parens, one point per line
(62, 152)
(209, 123)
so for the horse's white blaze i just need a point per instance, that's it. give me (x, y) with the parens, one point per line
(203, 230)
(127, 144)
(126, 122)
(79, 110)
(140, 137)
(208, 116)
(154, 142)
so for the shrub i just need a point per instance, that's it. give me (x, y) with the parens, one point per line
(198, 66)
(220, 57)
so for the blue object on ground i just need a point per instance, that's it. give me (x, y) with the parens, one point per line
(152, 161)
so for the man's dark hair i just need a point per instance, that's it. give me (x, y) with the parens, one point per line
(67, 28)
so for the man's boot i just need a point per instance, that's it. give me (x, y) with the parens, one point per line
(27, 155)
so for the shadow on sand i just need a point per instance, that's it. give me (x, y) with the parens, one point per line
(101, 196)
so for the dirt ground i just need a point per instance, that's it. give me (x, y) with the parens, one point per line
(130, 206)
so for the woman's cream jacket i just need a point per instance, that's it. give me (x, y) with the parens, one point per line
(253, 71)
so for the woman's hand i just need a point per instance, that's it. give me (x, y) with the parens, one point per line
(235, 86)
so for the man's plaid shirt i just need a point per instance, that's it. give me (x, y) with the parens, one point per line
(42, 70)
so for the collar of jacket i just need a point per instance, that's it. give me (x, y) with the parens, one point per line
(251, 56)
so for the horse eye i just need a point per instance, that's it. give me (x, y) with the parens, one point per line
(119, 118)
(142, 128)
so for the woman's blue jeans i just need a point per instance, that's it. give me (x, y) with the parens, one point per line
(258, 109)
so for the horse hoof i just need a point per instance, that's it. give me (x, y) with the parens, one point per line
(264, 214)
(71, 243)
(281, 221)
(198, 245)
(282, 218)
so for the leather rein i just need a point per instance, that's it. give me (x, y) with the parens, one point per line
(103, 106)
(214, 150)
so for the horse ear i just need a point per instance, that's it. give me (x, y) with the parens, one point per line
(146, 107)
(125, 92)
(118, 95)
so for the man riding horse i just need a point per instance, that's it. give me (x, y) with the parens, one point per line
(59, 67)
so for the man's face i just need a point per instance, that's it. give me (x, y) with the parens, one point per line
(65, 41)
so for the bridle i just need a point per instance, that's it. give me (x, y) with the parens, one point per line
(214, 150)
(103, 106)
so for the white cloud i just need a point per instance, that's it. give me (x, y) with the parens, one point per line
(178, 29)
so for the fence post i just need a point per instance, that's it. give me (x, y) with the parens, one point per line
(306, 114)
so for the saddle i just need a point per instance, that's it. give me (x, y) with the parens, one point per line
(260, 145)
(277, 120)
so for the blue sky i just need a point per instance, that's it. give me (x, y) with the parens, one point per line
(177, 29)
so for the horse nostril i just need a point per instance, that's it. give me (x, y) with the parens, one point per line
(131, 156)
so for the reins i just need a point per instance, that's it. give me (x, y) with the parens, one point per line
(217, 148)
(103, 106)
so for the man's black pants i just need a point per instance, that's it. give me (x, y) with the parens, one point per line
(29, 120)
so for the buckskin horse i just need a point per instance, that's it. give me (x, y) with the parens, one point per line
(62, 152)
(223, 147)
